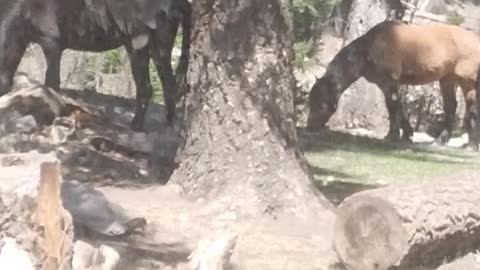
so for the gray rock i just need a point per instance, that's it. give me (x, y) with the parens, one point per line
(12, 256)
(61, 130)
(91, 209)
(21, 124)
(87, 257)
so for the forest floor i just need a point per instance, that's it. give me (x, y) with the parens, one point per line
(342, 164)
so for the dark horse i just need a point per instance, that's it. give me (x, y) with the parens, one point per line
(147, 29)
(394, 53)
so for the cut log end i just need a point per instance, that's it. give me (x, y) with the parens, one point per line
(369, 234)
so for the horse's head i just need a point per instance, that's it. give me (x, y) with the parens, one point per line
(322, 102)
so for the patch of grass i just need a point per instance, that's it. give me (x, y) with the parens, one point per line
(112, 62)
(370, 161)
(344, 164)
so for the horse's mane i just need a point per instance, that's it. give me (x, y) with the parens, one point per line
(350, 62)
(347, 64)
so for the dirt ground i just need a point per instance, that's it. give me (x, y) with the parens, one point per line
(175, 224)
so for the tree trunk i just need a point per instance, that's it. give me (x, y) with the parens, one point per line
(416, 226)
(241, 143)
(363, 104)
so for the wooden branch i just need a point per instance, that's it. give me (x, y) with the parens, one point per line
(31, 204)
(410, 225)
(51, 215)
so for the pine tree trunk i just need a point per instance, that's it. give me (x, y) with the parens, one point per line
(241, 141)
(363, 104)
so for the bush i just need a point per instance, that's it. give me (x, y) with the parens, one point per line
(309, 16)
(453, 17)
(112, 62)
(156, 84)
(302, 50)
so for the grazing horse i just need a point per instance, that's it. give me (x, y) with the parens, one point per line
(146, 28)
(394, 53)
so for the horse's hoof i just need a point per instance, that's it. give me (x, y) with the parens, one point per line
(407, 140)
(391, 137)
(136, 127)
(313, 128)
(471, 147)
(438, 144)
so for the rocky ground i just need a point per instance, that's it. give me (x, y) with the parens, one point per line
(95, 147)
(89, 133)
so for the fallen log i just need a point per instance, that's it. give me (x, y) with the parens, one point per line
(409, 226)
(469, 262)
(33, 223)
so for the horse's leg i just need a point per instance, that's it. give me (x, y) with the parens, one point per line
(404, 123)
(447, 89)
(390, 90)
(470, 119)
(181, 71)
(53, 54)
(139, 60)
(11, 54)
(475, 95)
(164, 39)
(470, 116)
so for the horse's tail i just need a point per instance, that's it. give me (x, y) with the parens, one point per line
(181, 71)
(476, 108)
(477, 83)
(477, 90)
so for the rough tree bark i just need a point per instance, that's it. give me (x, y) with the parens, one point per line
(363, 104)
(241, 143)
(414, 226)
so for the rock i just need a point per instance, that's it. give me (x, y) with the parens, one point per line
(213, 252)
(24, 124)
(61, 130)
(137, 140)
(12, 256)
(82, 255)
(14, 122)
(87, 257)
(91, 209)
(108, 257)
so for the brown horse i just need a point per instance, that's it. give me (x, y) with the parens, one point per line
(394, 53)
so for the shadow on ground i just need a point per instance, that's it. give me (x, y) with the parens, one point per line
(337, 190)
(332, 140)
(343, 164)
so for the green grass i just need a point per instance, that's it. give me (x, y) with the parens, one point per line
(343, 164)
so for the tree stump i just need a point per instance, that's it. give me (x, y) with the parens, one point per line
(410, 226)
(32, 219)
